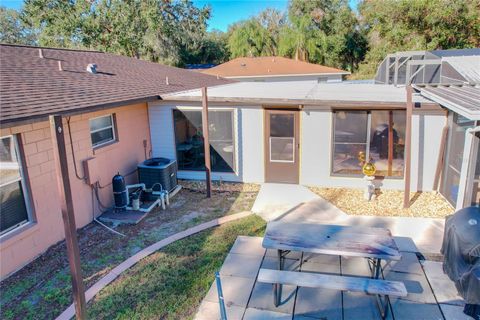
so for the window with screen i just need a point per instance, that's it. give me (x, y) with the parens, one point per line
(102, 130)
(376, 136)
(190, 144)
(13, 208)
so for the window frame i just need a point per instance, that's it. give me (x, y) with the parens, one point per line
(233, 112)
(25, 189)
(113, 127)
(367, 143)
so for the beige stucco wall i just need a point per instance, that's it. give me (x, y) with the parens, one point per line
(23, 245)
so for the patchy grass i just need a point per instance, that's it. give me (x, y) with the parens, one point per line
(171, 283)
(386, 203)
(42, 289)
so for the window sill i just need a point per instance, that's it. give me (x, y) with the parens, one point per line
(104, 146)
(25, 230)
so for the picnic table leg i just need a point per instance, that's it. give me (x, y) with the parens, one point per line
(381, 304)
(277, 287)
(375, 267)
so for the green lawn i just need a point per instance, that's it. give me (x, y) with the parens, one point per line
(42, 289)
(171, 283)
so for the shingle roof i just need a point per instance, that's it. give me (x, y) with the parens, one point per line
(33, 87)
(269, 66)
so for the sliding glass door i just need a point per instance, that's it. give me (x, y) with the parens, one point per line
(454, 156)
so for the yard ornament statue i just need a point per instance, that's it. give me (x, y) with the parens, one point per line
(369, 170)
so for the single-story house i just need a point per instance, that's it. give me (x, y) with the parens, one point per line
(274, 69)
(118, 111)
(321, 134)
(106, 114)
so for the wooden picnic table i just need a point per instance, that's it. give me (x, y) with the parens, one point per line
(376, 244)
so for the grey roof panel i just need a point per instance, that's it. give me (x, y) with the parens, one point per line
(464, 100)
(456, 52)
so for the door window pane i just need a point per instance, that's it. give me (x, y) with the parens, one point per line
(282, 149)
(282, 125)
(190, 145)
(13, 210)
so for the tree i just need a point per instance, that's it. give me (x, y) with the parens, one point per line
(157, 30)
(13, 30)
(323, 31)
(257, 36)
(403, 25)
(213, 48)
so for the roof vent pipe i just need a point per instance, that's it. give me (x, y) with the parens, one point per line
(60, 65)
(40, 53)
(166, 81)
(92, 68)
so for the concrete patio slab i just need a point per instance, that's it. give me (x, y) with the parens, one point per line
(405, 244)
(360, 306)
(241, 265)
(256, 299)
(319, 303)
(312, 266)
(236, 291)
(272, 263)
(408, 263)
(274, 199)
(353, 266)
(256, 314)
(443, 288)
(291, 255)
(248, 245)
(417, 286)
(409, 310)
(321, 258)
(262, 298)
(211, 311)
(453, 312)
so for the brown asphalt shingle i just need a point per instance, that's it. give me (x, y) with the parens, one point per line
(32, 87)
(268, 66)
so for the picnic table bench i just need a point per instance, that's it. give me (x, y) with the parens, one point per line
(375, 244)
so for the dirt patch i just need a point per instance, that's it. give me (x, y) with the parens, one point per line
(386, 203)
(42, 289)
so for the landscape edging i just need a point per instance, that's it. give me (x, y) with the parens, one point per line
(130, 262)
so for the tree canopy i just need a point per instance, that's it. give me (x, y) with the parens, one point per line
(175, 32)
(170, 32)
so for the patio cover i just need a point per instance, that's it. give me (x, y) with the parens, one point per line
(300, 93)
(464, 100)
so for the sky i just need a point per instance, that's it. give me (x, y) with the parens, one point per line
(224, 12)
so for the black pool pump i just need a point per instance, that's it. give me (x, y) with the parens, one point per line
(120, 193)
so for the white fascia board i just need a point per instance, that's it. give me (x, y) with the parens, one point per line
(289, 75)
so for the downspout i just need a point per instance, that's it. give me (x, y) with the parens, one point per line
(465, 170)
